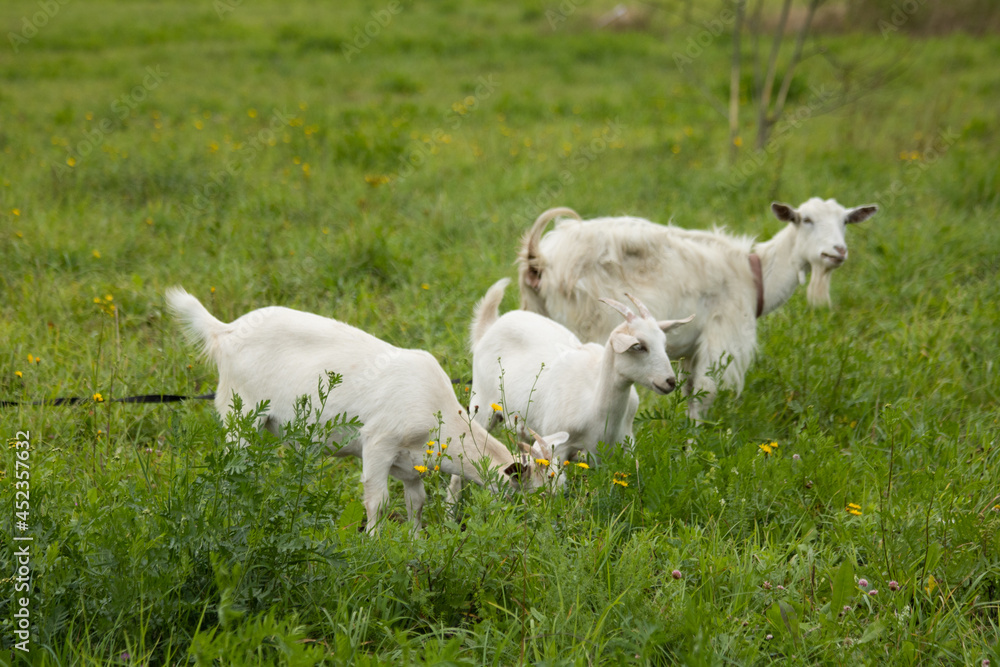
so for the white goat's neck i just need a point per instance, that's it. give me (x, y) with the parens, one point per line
(610, 398)
(472, 442)
(780, 267)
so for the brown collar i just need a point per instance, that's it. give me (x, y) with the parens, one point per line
(758, 281)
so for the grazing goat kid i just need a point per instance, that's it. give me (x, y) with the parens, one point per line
(402, 397)
(542, 372)
(727, 281)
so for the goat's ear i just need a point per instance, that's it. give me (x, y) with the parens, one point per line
(861, 213)
(544, 448)
(785, 213)
(667, 325)
(524, 447)
(622, 341)
(556, 439)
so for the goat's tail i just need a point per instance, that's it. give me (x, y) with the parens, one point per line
(487, 312)
(529, 260)
(200, 326)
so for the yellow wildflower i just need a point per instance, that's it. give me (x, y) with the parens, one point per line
(424, 286)
(71, 161)
(431, 443)
(430, 452)
(853, 509)
(766, 448)
(19, 374)
(98, 398)
(444, 445)
(420, 469)
(496, 408)
(583, 465)
(437, 468)
(16, 211)
(542, 462)
(376, 180)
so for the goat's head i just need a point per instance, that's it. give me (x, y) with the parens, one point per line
(535, 465)
(820, 241)
(640, 347)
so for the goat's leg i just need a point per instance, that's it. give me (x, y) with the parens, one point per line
(700, 389)
(414, 495)
(375, 478)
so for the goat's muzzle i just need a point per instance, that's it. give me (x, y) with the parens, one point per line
(836, 258)
(668, 386)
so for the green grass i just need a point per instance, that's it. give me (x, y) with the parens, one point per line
(152, 539)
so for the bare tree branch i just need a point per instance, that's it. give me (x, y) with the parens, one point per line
(772, 64)
(734, 83)
(755, 30)
(786, 83)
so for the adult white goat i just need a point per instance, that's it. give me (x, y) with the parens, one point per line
(536, 368)
(402, 397)
(727, 281)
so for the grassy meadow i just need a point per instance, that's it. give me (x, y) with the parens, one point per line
(276, 153)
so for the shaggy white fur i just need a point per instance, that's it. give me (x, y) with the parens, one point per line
(678, 271)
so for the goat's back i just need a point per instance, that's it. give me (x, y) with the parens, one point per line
(279, 354)
(674, 271)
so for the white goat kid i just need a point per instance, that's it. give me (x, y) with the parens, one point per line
(727, 281)
(278, 354)
(537, 369)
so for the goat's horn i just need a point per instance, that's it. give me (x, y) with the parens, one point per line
(643, 311)
(621, 308)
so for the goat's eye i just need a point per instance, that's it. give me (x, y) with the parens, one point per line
(807, 221)
(638, 347)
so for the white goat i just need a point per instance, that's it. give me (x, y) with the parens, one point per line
(536, 368)
(727, 281)
(402, 397)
